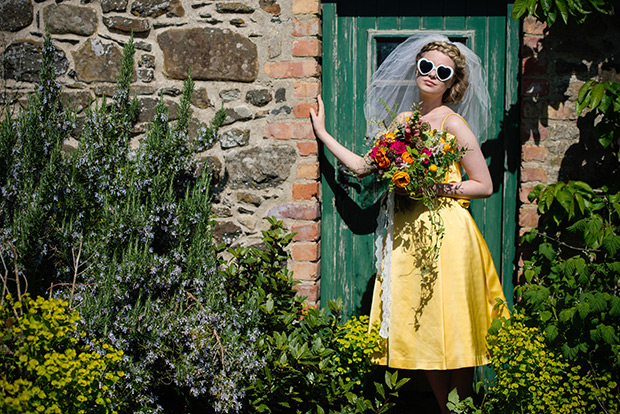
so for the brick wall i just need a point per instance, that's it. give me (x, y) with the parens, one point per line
(556, 144)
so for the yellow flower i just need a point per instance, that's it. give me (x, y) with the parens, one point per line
(433, 168)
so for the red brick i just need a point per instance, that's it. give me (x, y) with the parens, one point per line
(534, 133)
(306, 252)
(306, 191)
(302, 109)
(306, 47)
(306, 28)
(306, 232)
(305, 271)
(305, 89)
(534, 153)
(528, 217)
(524, 191)
(534, 87)
(306, 6)
(531, 25)
(297, 69)
(308, 148)
(308, 171)
(531, 66)
(312, 291)
(529, 174)
(289, 130)
(295, 211)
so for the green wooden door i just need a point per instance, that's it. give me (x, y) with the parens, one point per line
(357, 35)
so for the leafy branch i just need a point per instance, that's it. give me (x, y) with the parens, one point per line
(568, 10)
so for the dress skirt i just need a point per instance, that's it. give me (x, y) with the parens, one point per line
(439, 317)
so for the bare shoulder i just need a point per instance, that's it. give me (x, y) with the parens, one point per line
(403, 115)
(457, 126)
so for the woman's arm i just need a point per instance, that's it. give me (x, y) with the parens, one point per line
(351, 160)
(479, 183)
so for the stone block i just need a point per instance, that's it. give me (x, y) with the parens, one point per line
(262, 167)
(534, 153)
(258, 97)
(212, 54)
(270, 6)
(234, 138)
(200, 98)
(156, 8)
(15, 15)
(528, 216)
(126, 24)
(67, 19)
(226, 232)
(113, 5)
(22, 61)
(233, 7)
(96, 61)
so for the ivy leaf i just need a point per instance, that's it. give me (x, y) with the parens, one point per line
(584, 309)
(565, 198)
(592, 234)
(546, 5)
(605, 103)
(547, 250)
(566, 314)
(569, 351)
(585, 91)
(614, 306)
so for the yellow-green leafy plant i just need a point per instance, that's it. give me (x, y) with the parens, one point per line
(532, 379)
(47, 363)
(355, 345)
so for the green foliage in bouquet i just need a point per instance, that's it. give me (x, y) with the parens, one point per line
(411, 156)
(48, 363)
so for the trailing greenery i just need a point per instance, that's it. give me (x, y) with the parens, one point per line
(568, 10)
(49, 364)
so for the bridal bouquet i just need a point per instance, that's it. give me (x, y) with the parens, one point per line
(413, 157)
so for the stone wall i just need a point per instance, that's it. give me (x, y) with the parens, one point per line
(556, 144)
(257, 58)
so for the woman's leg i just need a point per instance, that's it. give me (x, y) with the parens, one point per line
(442, 382)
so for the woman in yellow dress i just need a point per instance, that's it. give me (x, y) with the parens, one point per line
(437, 324)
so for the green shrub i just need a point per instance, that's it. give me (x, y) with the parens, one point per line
(48, 363)
(530, 378)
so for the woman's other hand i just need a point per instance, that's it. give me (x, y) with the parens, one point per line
(318, 119)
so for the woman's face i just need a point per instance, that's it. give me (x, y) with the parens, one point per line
(429, 83)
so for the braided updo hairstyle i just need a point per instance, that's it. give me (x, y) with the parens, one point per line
(458, 88)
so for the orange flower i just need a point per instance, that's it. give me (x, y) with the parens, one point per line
(407, 158)
(381, 158)
(447, 147)
(401, 179)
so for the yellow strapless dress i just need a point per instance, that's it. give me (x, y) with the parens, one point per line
(442, 323)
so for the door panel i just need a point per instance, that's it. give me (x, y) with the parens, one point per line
(356, 37)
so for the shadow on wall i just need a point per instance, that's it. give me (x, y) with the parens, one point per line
(555, 68)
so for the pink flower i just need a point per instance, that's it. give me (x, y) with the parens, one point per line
(398, 147)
